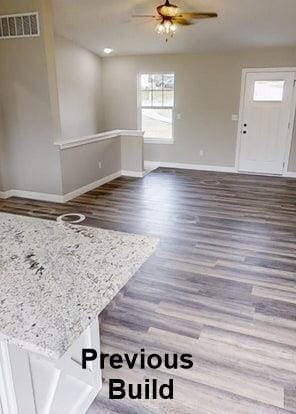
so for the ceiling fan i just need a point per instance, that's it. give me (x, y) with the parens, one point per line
(169, 16)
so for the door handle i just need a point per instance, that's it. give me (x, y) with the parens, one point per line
(243, 131)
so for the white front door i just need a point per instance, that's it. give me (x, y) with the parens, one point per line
(265, 121)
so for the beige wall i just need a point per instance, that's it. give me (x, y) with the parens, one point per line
(30, 109)
(86, 160)
(96, 160)
(132, 155)
(79, 88)
(4, 178)
(30, 124)
(207, 94)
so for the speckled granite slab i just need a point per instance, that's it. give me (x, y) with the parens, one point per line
(56, 278)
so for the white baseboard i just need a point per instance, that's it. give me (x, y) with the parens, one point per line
(91, 186)
(5, 194)
(99, 183)
(154, 164)
(149, 166)
(73, 194)
(32, 195)
(290, 174)
(136, 174)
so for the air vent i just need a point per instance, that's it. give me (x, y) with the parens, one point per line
(19, 25)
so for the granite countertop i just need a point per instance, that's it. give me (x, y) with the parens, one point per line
(56, 278)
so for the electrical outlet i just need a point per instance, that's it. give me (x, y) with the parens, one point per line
(100, 164)
(234, 117)
(179, 117)
(201, 153)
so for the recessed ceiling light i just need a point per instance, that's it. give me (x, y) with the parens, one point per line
(108, 50)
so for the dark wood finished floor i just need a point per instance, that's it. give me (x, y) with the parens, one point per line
(222, 286)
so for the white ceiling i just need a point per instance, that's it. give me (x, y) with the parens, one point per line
(96, 24)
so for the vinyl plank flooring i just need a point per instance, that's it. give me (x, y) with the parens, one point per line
(221, 285)
(281, 295)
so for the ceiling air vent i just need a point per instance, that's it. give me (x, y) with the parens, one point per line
(19, 25)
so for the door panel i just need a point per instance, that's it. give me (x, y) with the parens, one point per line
(265, 121)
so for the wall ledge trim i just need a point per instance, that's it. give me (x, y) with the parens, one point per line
(89, 139)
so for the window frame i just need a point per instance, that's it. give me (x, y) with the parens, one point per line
(155, 140)
(270, 100)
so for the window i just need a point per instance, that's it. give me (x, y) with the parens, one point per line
(156, 106)
(271, 91)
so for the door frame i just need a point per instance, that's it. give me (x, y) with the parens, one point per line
(241, 109)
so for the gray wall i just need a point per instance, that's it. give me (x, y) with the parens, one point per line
(29, 127)
(207, 94)
(79, 89)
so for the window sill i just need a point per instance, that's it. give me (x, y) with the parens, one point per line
(158, 141)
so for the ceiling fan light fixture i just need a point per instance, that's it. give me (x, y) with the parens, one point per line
(169, 18)
(173, 28)
(160, 28)
(166, 27)
(169, 11)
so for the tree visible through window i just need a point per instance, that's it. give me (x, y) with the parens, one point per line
(156, 95)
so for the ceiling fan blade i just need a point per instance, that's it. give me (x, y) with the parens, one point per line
(195, 15)
(182, 21)
(145, 15)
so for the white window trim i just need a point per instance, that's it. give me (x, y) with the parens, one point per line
(156, 140)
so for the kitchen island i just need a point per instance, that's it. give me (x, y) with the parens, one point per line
(35, 384)
(55, 279)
